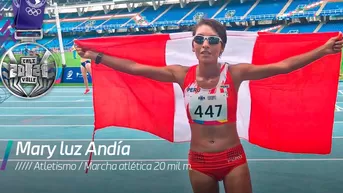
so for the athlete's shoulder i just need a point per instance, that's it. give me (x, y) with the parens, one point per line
(179, 72)
(178, 69)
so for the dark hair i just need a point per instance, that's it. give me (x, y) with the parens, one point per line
(218, 27)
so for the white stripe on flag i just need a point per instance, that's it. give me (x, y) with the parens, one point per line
(179, 51)
(182, 130)
(243, 110)
(240, 49)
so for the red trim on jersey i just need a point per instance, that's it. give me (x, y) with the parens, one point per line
(190, 78)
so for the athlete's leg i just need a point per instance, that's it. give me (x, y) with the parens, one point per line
(238, 180)
(85, 80)
(202, 183)
(74, 54)
(89, 69)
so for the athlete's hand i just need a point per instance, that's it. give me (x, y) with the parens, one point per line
(333, 45)
(86, 53)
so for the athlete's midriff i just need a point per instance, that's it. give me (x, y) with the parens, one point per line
(213, 138)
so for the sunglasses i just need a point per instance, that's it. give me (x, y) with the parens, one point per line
(212, 40)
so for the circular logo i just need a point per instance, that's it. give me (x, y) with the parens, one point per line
(28, 70)
(70, 73)
(36, 3)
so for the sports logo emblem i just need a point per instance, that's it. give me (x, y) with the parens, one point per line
(34, 6)
(29, 75)
(33, 11)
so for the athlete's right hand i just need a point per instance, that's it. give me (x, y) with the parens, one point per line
(85, 53)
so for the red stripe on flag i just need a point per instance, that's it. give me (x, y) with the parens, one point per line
(145, 49)
(294, 112)
(135, 102)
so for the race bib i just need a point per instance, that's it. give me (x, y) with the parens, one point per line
(208, 107)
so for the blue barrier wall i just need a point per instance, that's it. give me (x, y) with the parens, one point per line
(74, 75)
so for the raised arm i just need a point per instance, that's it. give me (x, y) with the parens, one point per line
(170, 73)
(255, 72)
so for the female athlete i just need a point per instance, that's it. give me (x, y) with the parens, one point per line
(85, 67)
(216, 153)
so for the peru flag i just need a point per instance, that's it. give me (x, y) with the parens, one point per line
(289, 113)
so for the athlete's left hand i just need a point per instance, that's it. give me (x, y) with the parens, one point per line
(333, 45)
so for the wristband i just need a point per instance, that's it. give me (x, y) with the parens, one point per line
(98, 58)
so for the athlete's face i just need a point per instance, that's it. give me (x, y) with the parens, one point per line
(207, 45)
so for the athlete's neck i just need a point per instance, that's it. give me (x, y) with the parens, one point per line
(209, 70)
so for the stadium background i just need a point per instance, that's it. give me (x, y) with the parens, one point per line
(80, 19)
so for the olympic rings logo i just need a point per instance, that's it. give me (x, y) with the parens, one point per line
(33, 11)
